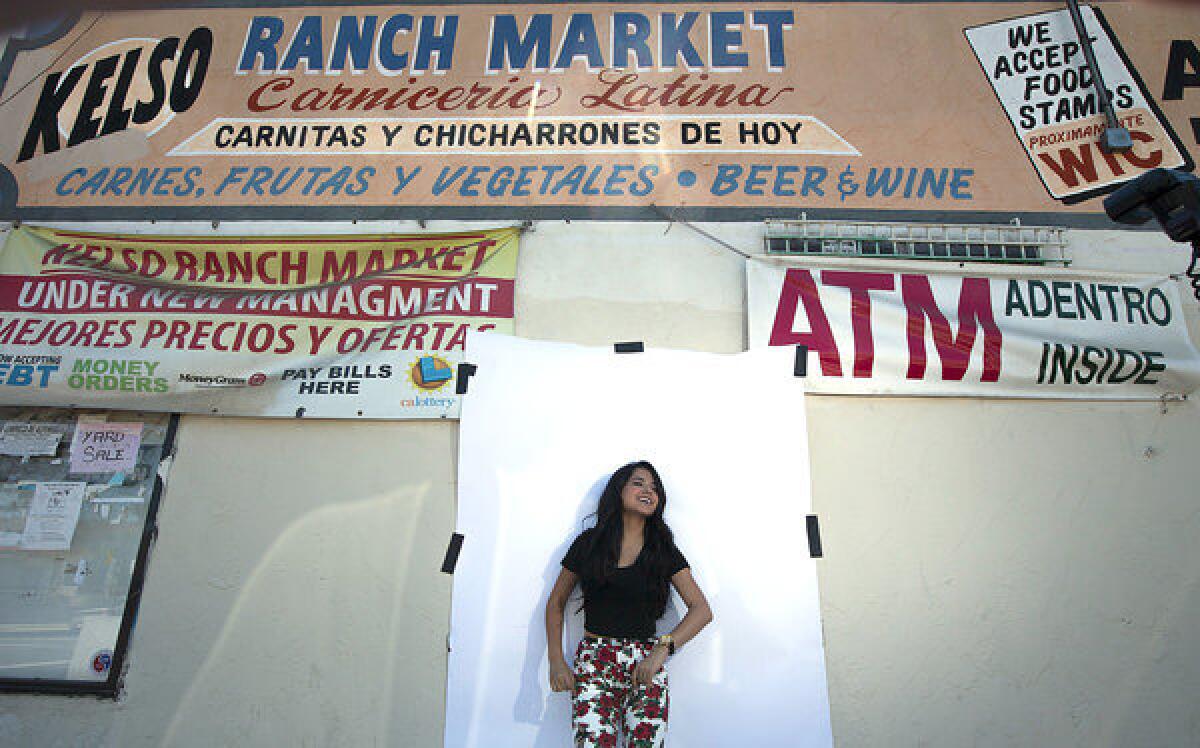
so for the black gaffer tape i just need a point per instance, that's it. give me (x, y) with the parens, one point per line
(801, 367)
(465, 372)
(635, 346)
(814, 537)
(452, 551)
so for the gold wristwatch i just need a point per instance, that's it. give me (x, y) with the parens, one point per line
(669, 642)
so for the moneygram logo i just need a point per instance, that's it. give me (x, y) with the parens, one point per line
(431, 373)
(214, 380)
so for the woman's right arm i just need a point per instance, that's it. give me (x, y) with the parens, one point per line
(561, 678)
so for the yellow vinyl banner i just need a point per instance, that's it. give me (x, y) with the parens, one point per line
(324, 326)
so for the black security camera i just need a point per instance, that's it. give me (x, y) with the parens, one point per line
(1173, 198)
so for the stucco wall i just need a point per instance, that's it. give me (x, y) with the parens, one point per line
(997, 573)
(1001, 574)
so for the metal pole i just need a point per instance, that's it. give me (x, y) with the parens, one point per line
(1116, 138)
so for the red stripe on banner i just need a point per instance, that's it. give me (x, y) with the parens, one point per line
(283, 267)
(380, 299)
(74, 273)
(317, 242)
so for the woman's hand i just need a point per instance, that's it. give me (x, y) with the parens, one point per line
(645, 671)
(561, 677)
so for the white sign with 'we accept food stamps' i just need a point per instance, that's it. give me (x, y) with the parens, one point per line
(1037, 67)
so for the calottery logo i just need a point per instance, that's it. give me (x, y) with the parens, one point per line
(431, 373)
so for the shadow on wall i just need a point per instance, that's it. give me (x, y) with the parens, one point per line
(328, 634)
(535, 702)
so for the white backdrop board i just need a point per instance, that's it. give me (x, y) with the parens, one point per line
(543, 426)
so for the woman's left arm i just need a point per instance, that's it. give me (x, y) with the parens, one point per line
(698, 616)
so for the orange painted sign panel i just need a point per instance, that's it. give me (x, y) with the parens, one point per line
(338, 111)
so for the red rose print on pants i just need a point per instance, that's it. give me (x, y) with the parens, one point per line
(606, 703)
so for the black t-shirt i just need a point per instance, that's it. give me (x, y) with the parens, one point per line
(621, 606)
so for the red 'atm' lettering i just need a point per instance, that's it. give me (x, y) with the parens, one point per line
(861, 285)
(954, 350)
(974, 307)
(798, 284)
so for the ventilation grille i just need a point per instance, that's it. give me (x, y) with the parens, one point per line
(957, 242)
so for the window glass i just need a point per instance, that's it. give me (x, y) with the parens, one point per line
(76, 488)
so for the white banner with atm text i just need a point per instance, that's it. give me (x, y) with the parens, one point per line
(1016, 333)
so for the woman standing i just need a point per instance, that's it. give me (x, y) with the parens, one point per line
(624, 564)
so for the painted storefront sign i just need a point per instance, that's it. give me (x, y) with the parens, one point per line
(1036, 66)
(317, 326)
(1003, 334)
(348, 109)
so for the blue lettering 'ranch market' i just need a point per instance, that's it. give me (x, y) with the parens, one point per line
(361, 42)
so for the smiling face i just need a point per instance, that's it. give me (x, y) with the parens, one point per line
(640, 493)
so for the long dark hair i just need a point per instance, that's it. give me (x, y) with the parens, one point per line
(604, 541)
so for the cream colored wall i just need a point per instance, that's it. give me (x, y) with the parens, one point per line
(1007, 574)
(294, 597)
(997, 572)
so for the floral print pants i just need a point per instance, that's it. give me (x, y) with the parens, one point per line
(606, 702)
